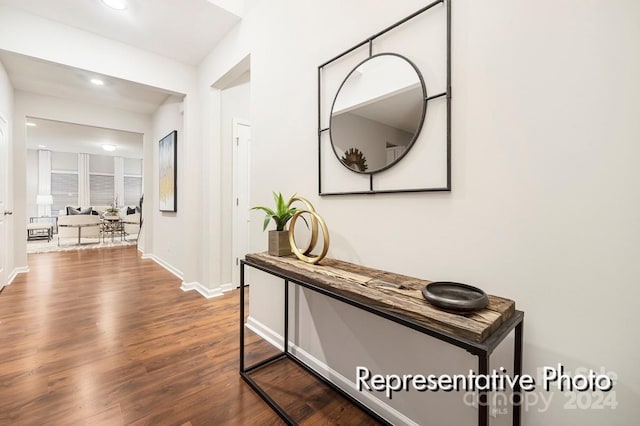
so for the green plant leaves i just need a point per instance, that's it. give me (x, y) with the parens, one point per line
(282, 214)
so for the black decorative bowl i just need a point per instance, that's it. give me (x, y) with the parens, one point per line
(455, 297)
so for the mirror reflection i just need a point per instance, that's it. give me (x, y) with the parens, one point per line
(377, 113)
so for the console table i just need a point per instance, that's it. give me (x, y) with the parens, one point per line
(392, 296)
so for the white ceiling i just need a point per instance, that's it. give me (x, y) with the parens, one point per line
(184, 30)
(67, 137)
(401, 110)
(51, 79)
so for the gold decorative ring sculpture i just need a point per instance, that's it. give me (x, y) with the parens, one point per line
(314, 226)
(315, 219)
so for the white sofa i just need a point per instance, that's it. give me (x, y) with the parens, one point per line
(132, 224)
(90, 224)
(79, 227)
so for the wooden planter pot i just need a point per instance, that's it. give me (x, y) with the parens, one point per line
(279, 243)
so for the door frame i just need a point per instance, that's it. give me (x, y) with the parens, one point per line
(4, 166)
(236, 162)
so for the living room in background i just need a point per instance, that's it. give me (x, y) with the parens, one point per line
(62, 181)
(69, 167)
(71, 163)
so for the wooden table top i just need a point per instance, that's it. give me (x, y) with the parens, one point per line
(396, 293)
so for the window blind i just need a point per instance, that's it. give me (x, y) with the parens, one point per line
(64, 190)
(132, 190)
(101, 189)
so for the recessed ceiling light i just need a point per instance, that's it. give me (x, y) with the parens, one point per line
(116, 4)
(42, 146)
(97, 81)
(109, 147)
(30, 124)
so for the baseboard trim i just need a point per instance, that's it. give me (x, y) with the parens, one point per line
(15, 272)
(175, 271)
(204, 291)
(265, 332)
(378, 406)
(227, 287)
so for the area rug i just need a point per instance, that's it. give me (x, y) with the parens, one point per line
(71, 244)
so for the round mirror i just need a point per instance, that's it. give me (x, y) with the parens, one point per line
(377, 113)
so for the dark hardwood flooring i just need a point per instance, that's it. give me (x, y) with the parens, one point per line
(104, 337)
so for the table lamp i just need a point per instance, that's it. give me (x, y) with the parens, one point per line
(44, 201)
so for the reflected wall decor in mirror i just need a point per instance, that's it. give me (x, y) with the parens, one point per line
(375, 132)
(378, 111)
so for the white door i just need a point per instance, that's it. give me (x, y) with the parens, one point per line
(241, 201)
(4, 180)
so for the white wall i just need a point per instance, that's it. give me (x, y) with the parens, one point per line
(544, 204)
(169, 227)
(6, 111)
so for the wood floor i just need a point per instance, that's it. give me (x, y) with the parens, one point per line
(104, 337)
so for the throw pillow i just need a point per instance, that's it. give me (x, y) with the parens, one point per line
(130, 210)
(72, 211)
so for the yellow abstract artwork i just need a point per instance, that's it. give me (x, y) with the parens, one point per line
(168, 175)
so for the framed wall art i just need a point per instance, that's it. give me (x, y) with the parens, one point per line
(168, 156)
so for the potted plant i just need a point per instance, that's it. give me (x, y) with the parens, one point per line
(113, 210)
(278, 238)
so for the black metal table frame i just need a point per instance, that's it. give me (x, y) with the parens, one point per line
(482, 350)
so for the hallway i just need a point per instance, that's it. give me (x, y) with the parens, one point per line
(105, 337)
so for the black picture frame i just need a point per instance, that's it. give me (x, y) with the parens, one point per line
(168, 173)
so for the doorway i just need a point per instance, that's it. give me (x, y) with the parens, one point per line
(4, 213)
(241, 194)
(232, 96)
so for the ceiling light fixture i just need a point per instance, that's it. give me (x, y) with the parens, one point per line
(109, 147)
(116, 4)
(42, 146)
(97, 81)
(30, 124)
